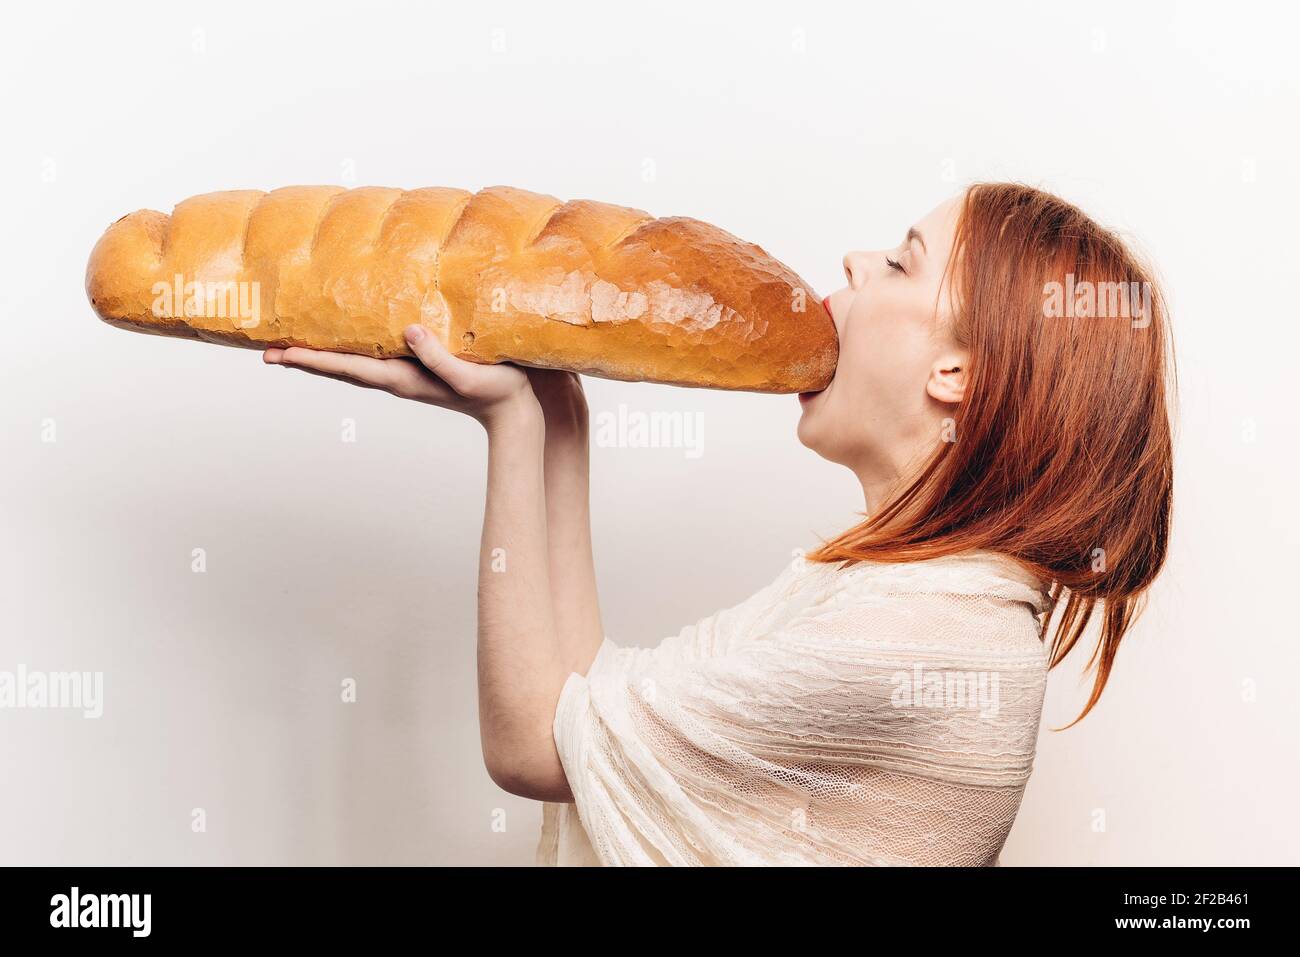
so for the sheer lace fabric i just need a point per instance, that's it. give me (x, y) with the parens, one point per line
(874, 714)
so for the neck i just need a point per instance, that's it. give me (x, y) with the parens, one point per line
(878, 487)
(886, 475)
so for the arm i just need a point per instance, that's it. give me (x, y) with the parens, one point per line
(535, 554)
(522, 661)
(566, 469)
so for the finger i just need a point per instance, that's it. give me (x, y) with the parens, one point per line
(339, 378)
(412, 381)
(367, 369)
(402, 377)
(462, 376)
(409, 382)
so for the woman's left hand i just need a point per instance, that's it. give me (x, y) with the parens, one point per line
(485, 392)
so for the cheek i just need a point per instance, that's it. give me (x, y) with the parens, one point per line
(886, 366)
(865, 372)
(884, 359)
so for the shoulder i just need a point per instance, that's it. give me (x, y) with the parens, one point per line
(971, 575)
(975, 603)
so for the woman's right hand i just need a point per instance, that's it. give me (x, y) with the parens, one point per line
(488, 393)
(561, 397)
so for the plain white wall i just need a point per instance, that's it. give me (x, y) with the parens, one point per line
(808, 129)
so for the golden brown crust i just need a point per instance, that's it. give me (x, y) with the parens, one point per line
(499, 275)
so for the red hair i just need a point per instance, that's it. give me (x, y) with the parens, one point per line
(1062, 453)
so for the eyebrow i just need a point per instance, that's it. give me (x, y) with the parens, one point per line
(914, 233)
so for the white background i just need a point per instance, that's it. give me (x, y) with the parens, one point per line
(808, 129)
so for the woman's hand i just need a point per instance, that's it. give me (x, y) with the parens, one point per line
(562, 400)
(485, 392)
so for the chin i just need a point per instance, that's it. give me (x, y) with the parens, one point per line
(811, 435)
(805, 429)
(803, 433)
(818, 435)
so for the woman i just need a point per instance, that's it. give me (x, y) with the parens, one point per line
(1001, 397)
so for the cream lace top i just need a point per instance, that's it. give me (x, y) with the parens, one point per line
(870, 714)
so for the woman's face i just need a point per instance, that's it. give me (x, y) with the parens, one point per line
(900, 373)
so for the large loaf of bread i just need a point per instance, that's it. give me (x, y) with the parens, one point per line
(498, 275)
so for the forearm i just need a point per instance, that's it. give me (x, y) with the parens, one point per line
(568, 526)
(521, 663)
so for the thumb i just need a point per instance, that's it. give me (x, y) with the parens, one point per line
(457, 373)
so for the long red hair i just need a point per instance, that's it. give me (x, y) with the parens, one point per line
(1061, 455)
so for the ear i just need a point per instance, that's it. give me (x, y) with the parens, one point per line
(947, 382)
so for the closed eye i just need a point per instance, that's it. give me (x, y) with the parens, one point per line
(893, 264)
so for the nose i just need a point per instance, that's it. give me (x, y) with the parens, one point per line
(855, 269)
